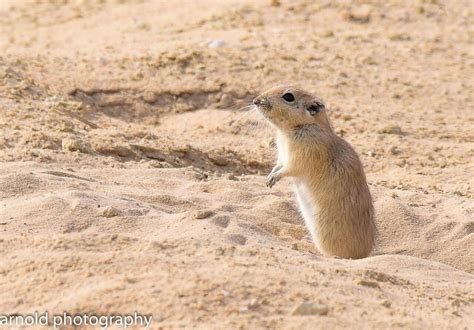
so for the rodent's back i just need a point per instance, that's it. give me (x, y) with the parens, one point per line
(344, 215)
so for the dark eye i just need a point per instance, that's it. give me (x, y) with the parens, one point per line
(288, 97)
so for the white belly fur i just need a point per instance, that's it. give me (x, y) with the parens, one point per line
(306, 205)
(282, 148)
(307, 209)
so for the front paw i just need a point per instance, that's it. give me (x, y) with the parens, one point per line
(272, 178)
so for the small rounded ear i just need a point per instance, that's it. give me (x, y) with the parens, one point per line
(315, 107)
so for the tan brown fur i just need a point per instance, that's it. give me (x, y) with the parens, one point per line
(330, 183)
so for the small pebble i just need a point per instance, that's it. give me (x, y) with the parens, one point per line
(253, 304)
(309, 308)
(386, 303)
(394, 150)
(370, 284)
(327, 33)
(149, 97)
(225, 293)
(237, 239)
(275, 3)
(203, 214)
(110, 212)
(72, 144)
(360, 14)
(219, 161)
(243, 309)
(393, 129)
(216, 44)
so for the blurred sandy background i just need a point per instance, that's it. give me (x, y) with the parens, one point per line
(131, 179)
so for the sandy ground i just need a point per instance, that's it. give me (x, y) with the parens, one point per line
(132, 178)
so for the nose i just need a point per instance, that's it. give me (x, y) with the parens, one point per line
(260, 100)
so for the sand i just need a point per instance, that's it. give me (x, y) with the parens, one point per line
(132, 177)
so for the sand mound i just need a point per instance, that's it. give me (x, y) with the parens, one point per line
(427, 227)
(228, 246)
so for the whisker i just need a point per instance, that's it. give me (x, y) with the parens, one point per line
(252, 124)
(246, 113)
(249, 106)
(237, 106)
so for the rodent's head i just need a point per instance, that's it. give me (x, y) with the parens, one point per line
(289, 107)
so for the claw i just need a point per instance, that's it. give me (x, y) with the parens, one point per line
(271, 180)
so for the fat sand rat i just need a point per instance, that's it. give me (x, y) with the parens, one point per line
(331, 188)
